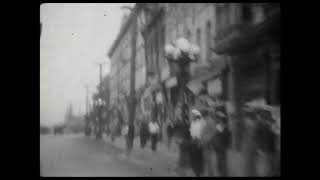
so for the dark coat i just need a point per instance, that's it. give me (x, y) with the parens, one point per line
(222, 140)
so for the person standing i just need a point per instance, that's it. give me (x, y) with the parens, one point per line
(144, 133)
(222, 142)
(208, 134)
(169, 134)
(196, 151)
(183, 139)
(265, 139)
(154, 132)
(249, 144)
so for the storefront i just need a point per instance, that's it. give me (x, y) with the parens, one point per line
(253, 53)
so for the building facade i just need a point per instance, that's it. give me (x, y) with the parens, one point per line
(249, 40)
(239, 52)
(120, 56)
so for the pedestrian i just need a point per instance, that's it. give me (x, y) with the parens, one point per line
(124, 130)
(262, 138)
(196, 150)
(183, 139)
(169, 134)
(265, 139)
(154, 132)
(249, 144)
(144, 133)
(222, 141)
(208, 134)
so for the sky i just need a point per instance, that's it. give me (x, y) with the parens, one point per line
(74, 39)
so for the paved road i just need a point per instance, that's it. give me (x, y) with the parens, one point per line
(76, 155)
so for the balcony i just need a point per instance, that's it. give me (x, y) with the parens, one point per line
(229, 37)
(239, 37)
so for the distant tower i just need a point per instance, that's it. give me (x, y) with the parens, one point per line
(69, 113)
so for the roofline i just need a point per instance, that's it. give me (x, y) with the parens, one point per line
(123, 30)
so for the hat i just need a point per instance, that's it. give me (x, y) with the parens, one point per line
(196, 112)
(266, 115)
(259, 104)
(204, 112)
(221, 114)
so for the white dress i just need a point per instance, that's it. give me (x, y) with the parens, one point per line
(196, 128)
(153, 128)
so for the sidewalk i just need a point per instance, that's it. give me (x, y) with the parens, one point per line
(164, 161)
(161, 162)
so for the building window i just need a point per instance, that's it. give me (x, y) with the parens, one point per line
(208, 39)
(188, 35)
(247, 13)
(273, 83)
(222, 15)
(156, 50)
(258, 14)
(198, 37)
(161, 46)
(199, 41)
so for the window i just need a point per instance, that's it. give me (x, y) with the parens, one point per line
(188, 35)
(198, 36)
(273, 91)
(222, 15)
(161, 47)
(246, 13)
(199, 41)
(208, 39)
(156, 49)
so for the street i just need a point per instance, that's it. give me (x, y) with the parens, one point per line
(77, 155)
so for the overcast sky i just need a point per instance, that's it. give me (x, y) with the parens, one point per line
(75, 37)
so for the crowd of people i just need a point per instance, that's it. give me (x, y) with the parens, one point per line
(204, 137)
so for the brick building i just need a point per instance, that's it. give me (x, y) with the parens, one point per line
(120, 56)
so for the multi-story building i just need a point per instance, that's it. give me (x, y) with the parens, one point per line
(239, 51)
(166, 22)
(120, 56)
(248, 38)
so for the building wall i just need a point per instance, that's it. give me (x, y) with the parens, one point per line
(184, 20)
(121, 66)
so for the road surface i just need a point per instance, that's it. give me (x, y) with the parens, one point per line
(80, 156)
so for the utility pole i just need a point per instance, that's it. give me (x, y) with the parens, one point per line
(87, 99)
(87, 111)
(99, 110)
(132, 78)
(100, 68)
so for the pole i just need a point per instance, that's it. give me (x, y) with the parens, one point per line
(132, 83)
(87, 100)
(100, 68)
(99, 110)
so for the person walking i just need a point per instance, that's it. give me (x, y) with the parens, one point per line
(154, 132)
(169, 134)
(196, 151)
(182, 136)
(261, 139)
(144, 133)
(208, 134)
(266, 141)
(222, 142)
